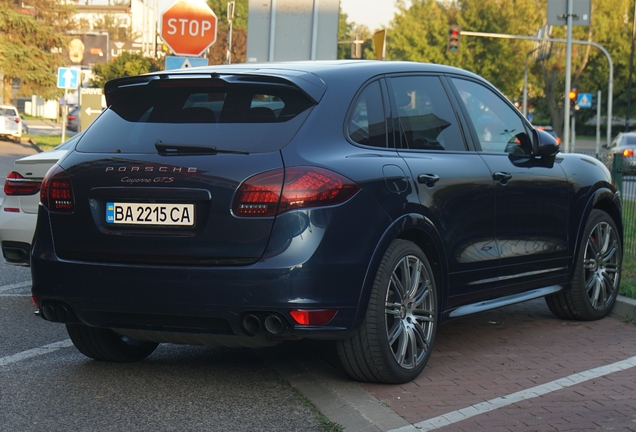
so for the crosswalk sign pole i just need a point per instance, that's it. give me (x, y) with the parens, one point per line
(64, 114)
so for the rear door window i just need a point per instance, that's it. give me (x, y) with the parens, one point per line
(426, 118)
(367, 123)
(240, 117)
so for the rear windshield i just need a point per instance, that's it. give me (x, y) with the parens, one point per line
(7, 112)
(241, 117)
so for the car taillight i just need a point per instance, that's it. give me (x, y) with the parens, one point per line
(558, 140)
(628, 152)
(57, 193)
(301, 186)
(71, 117)
(313, 317)
(18, 185)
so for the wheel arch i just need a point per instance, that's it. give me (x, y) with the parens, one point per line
(602, 199)
(420, 230)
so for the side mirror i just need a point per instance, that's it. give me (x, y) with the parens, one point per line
(546, 144)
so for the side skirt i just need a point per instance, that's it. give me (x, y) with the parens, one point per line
(504, 301)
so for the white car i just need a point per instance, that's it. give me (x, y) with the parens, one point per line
(19, 209)
(10, 123)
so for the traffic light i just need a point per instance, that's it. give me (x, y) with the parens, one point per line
(573, 97)
(453, 39)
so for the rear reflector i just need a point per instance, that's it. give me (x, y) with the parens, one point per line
(18, 185)
(57, 192)
(302, 187)
(313, 317)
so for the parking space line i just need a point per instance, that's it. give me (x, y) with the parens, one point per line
(46, 349)
(13, 286)
(540, 390)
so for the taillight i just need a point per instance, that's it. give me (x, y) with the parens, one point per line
(57, 192)
(302, 187)
(71, 117)
(313, 317)
(628, 152)
(18, 185)
(558, 140)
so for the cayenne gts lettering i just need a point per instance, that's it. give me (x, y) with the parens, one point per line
(147, 180)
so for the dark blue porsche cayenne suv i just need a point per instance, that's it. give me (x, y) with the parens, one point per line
(354, 201)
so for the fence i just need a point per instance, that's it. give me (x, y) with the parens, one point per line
(624, 176)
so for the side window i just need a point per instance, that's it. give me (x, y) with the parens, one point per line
(367, 124)
(498, 126)
(426, 118)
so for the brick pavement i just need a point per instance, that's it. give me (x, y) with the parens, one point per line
(497, 353)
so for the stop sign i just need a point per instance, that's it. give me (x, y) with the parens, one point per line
(188, 27)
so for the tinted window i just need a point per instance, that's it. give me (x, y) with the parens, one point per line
(427, 119)
(499, 128)
(243, 117)
(367, 123)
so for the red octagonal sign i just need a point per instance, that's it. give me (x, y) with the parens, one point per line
(188, 27)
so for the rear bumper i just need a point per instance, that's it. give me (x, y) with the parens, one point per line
(199, 300)
(16, 234)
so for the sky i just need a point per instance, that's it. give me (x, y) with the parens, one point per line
(373, 13)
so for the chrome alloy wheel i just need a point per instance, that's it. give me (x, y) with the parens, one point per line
(410, 312)
(601, 263)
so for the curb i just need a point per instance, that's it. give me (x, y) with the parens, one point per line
(624, 309)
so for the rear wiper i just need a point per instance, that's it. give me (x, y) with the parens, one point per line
(165, 149)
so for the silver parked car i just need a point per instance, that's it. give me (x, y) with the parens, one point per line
(625, 144)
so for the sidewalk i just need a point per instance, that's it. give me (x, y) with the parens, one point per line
(513, 369)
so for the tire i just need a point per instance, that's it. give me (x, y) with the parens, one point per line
(396, 338)
(597, 273)
(106, 345)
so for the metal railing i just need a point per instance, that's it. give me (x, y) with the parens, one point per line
(624, 177)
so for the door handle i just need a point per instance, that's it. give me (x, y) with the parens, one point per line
(428, 179)
(502, 177)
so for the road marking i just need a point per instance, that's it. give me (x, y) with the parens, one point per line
(493, 404)
(46, 349)
(15, 295)
(14, 286)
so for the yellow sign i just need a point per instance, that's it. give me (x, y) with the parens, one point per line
(379, 42)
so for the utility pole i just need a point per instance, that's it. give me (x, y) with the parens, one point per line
(230, 17)
(631, 70)
(568, 77)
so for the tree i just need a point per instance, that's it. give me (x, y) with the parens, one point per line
(117, 29)
(344, 34)
(126, 64)
(32, 36)
(217, 54)
(418, 33)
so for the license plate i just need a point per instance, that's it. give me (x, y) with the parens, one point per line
(150, 214)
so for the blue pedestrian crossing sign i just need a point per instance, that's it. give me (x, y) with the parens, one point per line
(584, 100)
(67, 78)
(173, 62)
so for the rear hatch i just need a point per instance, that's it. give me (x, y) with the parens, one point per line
(154, 178)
